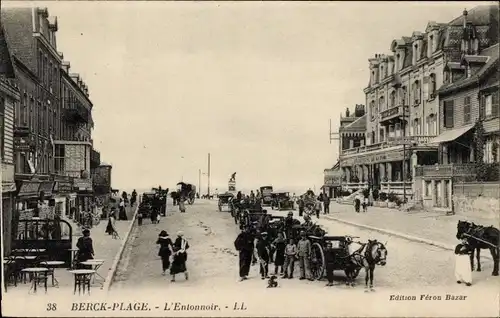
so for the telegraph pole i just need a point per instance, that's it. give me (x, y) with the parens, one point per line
(199, 182)
(208, 188)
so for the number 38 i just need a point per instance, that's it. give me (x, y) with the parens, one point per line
(51, 307)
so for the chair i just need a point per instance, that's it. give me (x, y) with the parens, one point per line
(42, 277)
(82, 281)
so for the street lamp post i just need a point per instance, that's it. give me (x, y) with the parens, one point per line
(208, 186)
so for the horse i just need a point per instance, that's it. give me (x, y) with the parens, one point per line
(367, 256)
(480, 237)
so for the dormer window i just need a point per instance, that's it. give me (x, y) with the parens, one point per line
(373, 78)
(396, 67)
(381, 72)
(430, 45)
(416, 56)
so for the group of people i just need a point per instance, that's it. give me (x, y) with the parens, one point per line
(173, 254)
(256, 247)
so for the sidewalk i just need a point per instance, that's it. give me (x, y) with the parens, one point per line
(433, 228)
(105, 247)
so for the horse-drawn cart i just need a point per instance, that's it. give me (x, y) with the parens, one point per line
(340, 246)
(226, 199)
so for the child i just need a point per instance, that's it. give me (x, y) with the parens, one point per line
(463, 271)
(279, 258)
(290, 254)
(330, 263)
(139, 218)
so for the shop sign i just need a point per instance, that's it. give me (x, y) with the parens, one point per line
(375, 158)
(83, 184)
(29, 188)
(63, 186)
(47, 188)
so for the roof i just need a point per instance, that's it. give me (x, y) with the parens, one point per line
(480, 15)
(492, 53)
(18, 26)
(6, 67)
(357, 125)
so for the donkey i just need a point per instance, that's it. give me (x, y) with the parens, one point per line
(367, 256)
(480, 237)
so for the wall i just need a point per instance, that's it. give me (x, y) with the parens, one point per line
(458, 108)
(77, 159)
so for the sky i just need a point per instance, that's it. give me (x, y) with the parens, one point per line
(252, 83)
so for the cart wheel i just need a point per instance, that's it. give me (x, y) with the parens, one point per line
(317, 261)
(352, 273)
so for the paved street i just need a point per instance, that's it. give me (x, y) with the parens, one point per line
(212, 259)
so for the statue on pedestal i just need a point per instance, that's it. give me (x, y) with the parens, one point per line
(233, 178)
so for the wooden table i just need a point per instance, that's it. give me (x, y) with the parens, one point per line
(82, 276)
(96, 264)
(51, 266)
(35, 271)
(25, 257)
(29, 250)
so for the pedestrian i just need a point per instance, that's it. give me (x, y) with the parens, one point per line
(290, 255)
(279, 256)
(123, 214)
(244, 244)
(365, 204)
(330, 262)
(317, 208)
(158, 217)
(153, 216)
(304, 251)
(85, 249)
(463, 270)
(139, 218)
(182, 206)
(300, 203)
(165, 251)
(326, 204)
(357, 203)
(180, 248)
(263, 254)
(111, 226)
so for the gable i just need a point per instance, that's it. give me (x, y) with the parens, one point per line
(6, 67)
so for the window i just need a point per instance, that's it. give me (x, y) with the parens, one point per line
(416, 127)
(373, 78)
(448, 113)
(393, 98)
(467, 109)
(398, 130)
(382, 72)
(372, 109)
(381, 135)
(469, 71)
(416, 93)
(428, 188)
(431, 125)
(415, 54)
(403, 95)
(373, 137)
(488, 105)
(432, 86)
(2, 126)
(381, 103)
(430, 44)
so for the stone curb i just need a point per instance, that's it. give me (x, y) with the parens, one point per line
(112, 271)
(400, 235)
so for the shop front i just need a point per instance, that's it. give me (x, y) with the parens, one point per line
(84, 194)
(64, 197)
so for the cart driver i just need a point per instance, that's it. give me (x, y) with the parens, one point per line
(307, 222)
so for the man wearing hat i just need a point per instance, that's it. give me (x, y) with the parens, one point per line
(244, 244)
(303, 252)
(263, 253)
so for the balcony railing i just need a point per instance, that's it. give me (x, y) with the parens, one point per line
(390, 142)
(448, 170)
(394, 112)
(21, 131)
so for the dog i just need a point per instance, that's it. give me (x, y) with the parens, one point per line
(272, 282)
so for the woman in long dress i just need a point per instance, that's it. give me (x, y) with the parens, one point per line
(463, 270)
(111, 227)
(85, 248)
(180, 248)
(165, 250)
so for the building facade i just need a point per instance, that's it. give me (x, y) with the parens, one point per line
(403, 106)
(469, 112)
(9, 98)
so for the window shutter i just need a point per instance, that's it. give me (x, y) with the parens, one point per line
(467, 109)
(495, 106)
(448, 114)
(426, 87)
(482, 102)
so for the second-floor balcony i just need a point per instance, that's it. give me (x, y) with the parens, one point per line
(396, 112)
(77, 114)
(391, 141)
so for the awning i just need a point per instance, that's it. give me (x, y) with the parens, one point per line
(29, 189)
(450, 135)
(47, 187)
